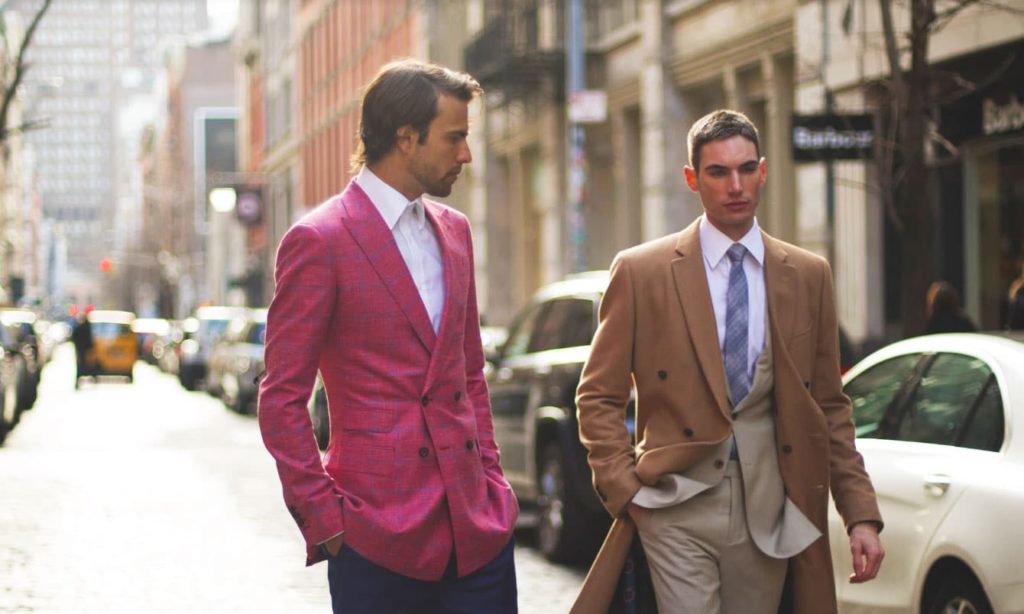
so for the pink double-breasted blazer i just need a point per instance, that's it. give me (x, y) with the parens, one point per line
(412, 469)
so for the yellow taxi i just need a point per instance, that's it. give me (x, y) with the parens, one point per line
(114, 344)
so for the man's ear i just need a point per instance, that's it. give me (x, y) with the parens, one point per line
(405, 137)
(691, 177)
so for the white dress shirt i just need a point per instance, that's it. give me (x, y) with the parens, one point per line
(714, 245)
(415, 238)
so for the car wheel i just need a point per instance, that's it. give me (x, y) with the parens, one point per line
(958, 595)
(560, 531)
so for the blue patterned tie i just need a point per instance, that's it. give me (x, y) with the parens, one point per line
(734, 353)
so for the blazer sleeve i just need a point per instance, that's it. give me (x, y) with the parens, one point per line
(604, 391)
(851, 487)
(297, 324)
(476, 385)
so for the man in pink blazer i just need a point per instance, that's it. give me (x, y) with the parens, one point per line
(375, 289)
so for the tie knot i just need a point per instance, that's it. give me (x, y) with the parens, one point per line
(736, 252)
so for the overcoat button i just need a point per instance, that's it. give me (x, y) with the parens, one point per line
(424, 452)
(688, 432)
(787, 448)
(469, 444)
(807, 385)
(458, 395)
(662, 375)
(425, 400)
(719, 464)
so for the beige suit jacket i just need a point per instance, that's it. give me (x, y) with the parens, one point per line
(657, 331)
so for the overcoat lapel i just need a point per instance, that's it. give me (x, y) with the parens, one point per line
(369, 230)
(695, 299)
(780, 282)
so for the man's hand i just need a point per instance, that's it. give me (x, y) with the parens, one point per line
(333, 545)
(867, 552)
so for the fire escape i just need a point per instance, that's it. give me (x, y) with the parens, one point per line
(509, 55)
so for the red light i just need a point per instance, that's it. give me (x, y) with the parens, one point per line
(105, 265)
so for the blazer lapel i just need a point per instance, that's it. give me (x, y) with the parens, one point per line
(695, 299)
(780, 282)
(455, 259)
(368, 229)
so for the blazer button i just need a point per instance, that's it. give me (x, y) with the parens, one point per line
(425, 400)
(688, 432)
(458, 395)
(424, 452)
(786, 448)
(469, 444)
(662, 375)
(719, 464)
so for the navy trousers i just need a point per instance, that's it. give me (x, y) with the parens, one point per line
(359, 586)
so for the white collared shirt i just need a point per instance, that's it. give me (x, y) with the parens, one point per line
(415, 238)
(714, 245)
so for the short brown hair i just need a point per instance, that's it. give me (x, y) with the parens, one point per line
(716, 126)
(404, 93)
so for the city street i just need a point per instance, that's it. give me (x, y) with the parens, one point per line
(146, 498)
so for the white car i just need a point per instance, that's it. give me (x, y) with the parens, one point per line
(936, 418)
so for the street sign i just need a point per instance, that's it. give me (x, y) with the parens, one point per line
(833, 137)
(588, 106)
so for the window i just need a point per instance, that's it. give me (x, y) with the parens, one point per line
(873, 391)
(984, 431)
(943, 404)
(519, 341)
(568, 323)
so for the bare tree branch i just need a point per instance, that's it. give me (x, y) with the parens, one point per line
(20, 68)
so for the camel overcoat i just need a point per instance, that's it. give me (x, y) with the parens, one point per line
(657, 330)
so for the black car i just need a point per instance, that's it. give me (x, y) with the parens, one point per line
(532, 386)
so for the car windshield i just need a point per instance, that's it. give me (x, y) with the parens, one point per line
(110, 330)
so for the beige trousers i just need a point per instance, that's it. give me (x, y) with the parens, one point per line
(702, 558)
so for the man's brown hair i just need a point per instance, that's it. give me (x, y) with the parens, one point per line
(716, 126)
(405, 93)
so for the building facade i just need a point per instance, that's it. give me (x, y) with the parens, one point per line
(91, 62)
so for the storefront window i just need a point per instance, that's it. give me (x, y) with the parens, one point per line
(1000, 218)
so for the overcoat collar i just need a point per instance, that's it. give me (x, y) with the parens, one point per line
(695, 300)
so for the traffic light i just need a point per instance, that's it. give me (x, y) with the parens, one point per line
(106, 265)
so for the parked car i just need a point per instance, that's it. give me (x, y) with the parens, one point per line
(114, 349)
(201, 332)
(236, 361)
(532, 388)
(24, 347)
(938, 420)
(167, 346)
(10, 408)
(147, 331)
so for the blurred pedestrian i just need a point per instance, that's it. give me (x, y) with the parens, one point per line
(1015, 304)
(376, 291)
(944, 312)
(729, 337)
(81, 338)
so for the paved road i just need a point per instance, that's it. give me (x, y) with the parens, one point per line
(146, 498)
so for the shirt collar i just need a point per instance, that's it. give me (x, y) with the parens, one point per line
(389, 201)
(714, 244)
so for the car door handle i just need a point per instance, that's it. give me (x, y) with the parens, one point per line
(937, 484)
